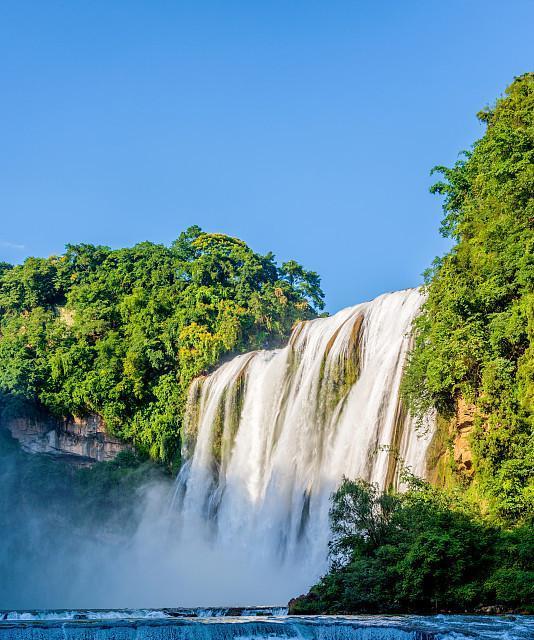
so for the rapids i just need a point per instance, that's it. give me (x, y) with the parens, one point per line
(157, 625)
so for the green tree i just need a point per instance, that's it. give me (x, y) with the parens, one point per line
(122, 333)
(421, 551)
(474, 339)
(361, 516)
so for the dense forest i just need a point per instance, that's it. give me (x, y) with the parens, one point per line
(468, 543)
(474, 339)
(121, 333)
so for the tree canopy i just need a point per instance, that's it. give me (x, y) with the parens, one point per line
(122, 333)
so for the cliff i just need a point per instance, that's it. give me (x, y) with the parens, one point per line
(82, 441)
(449, 457)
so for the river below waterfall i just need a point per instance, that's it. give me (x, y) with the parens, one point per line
(250, 623)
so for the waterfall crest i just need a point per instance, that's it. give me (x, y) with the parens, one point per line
(269, 435)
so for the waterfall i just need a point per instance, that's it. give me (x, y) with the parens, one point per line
(269, 435)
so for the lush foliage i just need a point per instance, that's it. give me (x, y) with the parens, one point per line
(121, 333)
(420, 551)
(474, 339)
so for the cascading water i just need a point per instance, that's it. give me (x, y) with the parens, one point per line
(186, 625)
(270, 434)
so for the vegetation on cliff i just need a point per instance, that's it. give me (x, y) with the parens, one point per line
(474, 339)
(122, 333)
(421, 551)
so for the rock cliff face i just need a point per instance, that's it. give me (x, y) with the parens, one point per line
(464, 421)
(82, 441)
(450, 457)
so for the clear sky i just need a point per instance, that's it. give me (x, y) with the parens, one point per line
(306, 128)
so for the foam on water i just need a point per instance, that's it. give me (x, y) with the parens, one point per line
(127, 614)
(155, 625)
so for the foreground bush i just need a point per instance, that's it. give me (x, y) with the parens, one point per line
(422, 551)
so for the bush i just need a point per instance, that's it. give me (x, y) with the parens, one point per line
(433, 554)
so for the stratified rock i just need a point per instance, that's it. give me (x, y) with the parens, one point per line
(82, 441)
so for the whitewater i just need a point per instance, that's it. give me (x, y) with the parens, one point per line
(269, 435)
(250, 625)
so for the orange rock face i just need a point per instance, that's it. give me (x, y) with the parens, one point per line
(464, 422)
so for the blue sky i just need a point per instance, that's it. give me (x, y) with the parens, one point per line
(306, 128)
